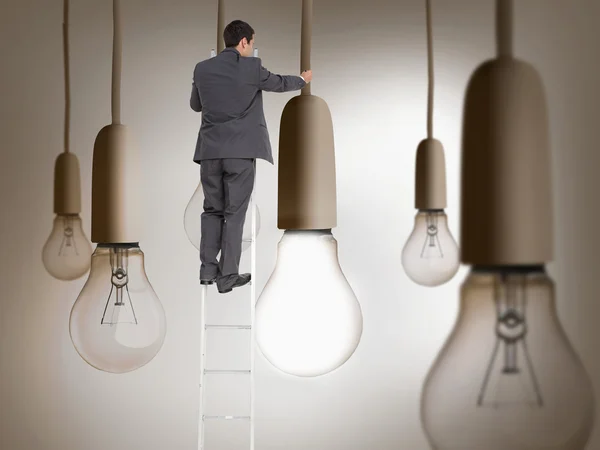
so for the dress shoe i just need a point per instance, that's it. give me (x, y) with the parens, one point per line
(208, 281)
(228, 282)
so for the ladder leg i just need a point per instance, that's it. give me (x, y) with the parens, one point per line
(204, 291)
(252, 309)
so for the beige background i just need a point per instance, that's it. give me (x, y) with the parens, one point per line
(369, 65)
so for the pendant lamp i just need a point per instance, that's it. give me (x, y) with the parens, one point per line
(193, 211)
(66, 254)
(430, 256)
(308, 320)
(508, 377)
(117, 323)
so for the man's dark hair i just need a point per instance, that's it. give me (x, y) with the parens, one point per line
(236, 31)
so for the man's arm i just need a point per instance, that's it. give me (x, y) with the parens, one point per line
(195, 102)
(271, 82)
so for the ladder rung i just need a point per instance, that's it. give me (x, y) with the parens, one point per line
(226, 417)
(228, 327)
(226, 372)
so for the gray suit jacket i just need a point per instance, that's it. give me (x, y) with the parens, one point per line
(227, 89)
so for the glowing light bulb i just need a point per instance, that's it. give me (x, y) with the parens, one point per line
(192, 220)
(508, 378)
(66, 254)
(117, 323)
(308, 319)
(430, 256)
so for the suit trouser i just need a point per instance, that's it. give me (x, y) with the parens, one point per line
(227, 185)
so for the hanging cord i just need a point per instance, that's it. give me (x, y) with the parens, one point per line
(504, 27)
(116, 67)
(306, 34)
(220, 26)
(429, 71)
(67, 75)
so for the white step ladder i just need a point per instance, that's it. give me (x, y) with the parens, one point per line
(226, 418)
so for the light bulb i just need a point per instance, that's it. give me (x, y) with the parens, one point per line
(507, 377)
(430, 256)
(117, 323)
(308, 320)
(192, 220)
(66, 254)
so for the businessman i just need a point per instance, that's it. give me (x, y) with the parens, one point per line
(227, 89)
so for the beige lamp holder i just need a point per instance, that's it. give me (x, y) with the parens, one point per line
(430, 175)
(67, 184)
(306, 178)
(506, 208)
(115, 165)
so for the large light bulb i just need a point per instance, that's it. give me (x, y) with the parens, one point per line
(308, 320)
(66, 254)
(430, 256)
(508, 378)
(117, 323)
(192, 220)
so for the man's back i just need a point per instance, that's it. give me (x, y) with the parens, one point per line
(228, 90)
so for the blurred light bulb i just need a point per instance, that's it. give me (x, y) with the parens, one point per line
(308, 319)
(508, 378)
(192, 220)
(430, 256)
(66, 254)
(117, 323)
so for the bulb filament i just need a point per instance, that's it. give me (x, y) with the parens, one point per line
(432, 247)
(119, 308)
(511, 334)
(68, 243)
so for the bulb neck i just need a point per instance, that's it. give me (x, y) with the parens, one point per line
(300, 232)
(431, 211)
(125, 245)
(509, 269)
(311, 249)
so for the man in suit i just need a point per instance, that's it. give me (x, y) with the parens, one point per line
(227, 89)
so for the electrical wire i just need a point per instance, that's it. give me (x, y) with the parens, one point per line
(67, 75)
(504, 27)
(220, 26)
(305, 43)
(429, 71)
(116, 67)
